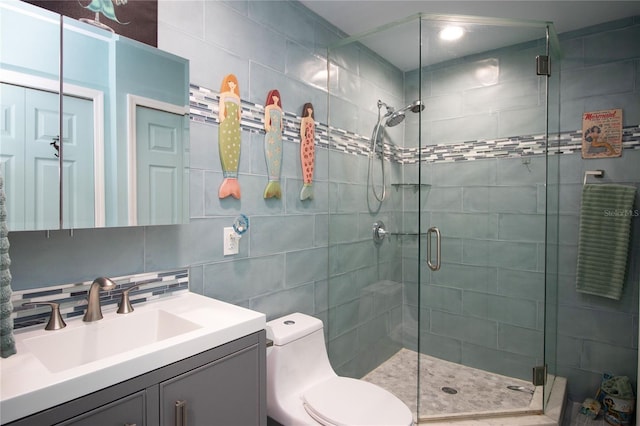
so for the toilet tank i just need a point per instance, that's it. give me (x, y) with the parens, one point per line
(292, 327)
(298, 358)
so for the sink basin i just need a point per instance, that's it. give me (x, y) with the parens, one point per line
(95, 341)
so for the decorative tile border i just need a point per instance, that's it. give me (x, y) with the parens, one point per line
(204, 108)
(73, 297)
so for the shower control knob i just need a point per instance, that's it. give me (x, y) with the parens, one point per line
(379, 231)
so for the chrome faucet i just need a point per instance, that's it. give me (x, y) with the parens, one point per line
(94, 312)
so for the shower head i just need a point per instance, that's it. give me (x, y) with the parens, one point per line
(395, 119)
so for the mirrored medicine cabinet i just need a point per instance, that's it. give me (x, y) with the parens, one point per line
(123, 158)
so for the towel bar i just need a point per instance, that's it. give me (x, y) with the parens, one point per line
(594, 173)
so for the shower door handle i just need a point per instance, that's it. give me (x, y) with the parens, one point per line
(432, 266)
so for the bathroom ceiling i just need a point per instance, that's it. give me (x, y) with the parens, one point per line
(358, 16)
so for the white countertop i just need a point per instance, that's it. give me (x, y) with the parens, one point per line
(27, 386)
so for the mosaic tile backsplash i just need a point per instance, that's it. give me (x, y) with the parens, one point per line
(204, 109)
(73, 297)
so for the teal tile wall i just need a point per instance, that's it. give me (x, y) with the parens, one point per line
(587, 345)
(482, 97)
(284, 262)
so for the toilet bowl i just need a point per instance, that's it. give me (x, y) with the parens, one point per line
(303, 389)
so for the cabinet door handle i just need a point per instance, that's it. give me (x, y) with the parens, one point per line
(130, 424)
(181, 413)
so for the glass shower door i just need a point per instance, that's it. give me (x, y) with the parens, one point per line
(482, 144)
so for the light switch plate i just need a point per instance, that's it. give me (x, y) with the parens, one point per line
(231, 241)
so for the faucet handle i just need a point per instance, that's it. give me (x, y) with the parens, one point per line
(124, 307)
(55, 320)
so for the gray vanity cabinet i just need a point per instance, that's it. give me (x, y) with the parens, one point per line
(190, 399)
(223, 386)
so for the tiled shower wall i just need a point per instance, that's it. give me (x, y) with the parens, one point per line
(283, 261)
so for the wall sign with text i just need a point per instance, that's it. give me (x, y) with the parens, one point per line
(602, 134)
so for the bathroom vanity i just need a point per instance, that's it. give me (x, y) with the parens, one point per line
(211, 371)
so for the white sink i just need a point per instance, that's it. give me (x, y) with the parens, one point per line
(97, 340)
(53, 367)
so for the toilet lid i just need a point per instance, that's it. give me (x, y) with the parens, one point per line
(343, 401)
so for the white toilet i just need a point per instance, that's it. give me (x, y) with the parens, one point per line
(303, 389)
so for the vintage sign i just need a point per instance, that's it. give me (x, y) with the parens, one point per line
(602, 134)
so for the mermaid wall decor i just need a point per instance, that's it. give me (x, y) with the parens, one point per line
(229, 139)
(307, 150)
(273, 143)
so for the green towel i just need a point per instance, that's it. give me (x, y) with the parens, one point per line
(603, 245)
(7, 342)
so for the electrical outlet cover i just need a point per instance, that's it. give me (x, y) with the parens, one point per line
(231, 241)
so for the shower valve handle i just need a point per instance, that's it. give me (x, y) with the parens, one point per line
(379, 231)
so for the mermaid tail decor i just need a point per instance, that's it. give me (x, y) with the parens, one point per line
(306, 193)
(273, 190)
(229, 139)
(273, 144)
(229, 186)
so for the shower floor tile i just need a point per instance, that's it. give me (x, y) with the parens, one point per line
(478, 391)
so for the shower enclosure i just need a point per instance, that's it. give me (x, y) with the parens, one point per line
(443, 212)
